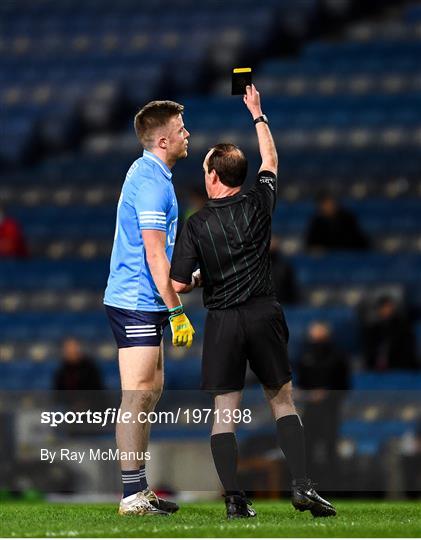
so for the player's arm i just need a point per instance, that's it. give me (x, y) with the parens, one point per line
(267, 146)
(159, 265)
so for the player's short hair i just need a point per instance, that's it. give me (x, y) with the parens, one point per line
(154, 115)
(229, 163)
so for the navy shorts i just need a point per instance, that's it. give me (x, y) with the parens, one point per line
(132, 328)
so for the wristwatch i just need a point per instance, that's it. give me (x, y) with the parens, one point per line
(262, 118)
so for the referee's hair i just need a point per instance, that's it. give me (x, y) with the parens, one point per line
(229, 163)
(154, 115)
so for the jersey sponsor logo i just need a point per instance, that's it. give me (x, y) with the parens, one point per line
(268, 180)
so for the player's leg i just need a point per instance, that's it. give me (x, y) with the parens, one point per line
(138, 336)
(158, 384)
(141, 376)
(140, 393)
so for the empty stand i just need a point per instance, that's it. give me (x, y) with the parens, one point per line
(345, 111)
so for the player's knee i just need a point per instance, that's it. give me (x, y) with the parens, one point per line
(149, 399)
(142, 400)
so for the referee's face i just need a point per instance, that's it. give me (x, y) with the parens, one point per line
(177, 138)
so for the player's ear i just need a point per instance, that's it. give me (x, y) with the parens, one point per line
(163, 143)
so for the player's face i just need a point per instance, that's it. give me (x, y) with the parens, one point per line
(177, 138)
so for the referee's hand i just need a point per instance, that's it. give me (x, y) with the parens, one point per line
(252, 101)
(182, 330)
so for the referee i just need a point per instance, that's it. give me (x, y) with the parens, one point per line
(229, 240)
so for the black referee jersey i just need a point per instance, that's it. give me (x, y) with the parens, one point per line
(229, 240)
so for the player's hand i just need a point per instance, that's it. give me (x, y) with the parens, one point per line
(252, 101)
(181, 327)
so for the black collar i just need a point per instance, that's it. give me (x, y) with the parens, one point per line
(225, 201)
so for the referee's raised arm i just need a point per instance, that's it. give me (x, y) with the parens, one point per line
(267, 146)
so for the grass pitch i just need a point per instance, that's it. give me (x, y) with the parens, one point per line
(275, 519)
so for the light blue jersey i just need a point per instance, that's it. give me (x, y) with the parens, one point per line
(147, 201)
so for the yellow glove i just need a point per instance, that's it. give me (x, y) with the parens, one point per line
(182, 330)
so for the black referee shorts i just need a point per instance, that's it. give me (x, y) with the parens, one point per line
(255, 331)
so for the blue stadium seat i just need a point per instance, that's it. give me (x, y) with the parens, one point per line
(353, 268)
(54, 326)
(370, 436)
(43, 274)
(396, 380)
(26, 375)
(376, 216)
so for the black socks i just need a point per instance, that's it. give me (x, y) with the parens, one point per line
(225, 456)
(291, 440)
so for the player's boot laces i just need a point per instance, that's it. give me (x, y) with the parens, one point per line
(305, 497)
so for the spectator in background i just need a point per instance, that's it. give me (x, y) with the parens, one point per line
(12, 241)
(334, 227)
(77, 371)
(323, 372)
(389, 339)
(283, 277)
(78, 384)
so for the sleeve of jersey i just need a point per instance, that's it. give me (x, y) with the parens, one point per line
(266, 188)
(151, 206)
(184, 259)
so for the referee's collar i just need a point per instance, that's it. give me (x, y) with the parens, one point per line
(225, 201)
(163, 166)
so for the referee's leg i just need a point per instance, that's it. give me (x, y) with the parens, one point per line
(291, 440)
(289, 428)
(225, 455)
(223, 441)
